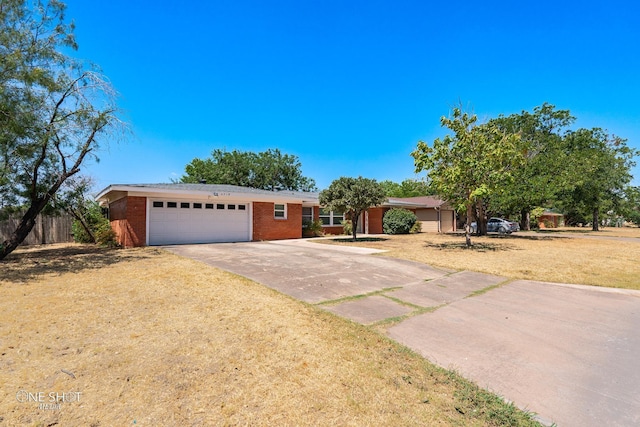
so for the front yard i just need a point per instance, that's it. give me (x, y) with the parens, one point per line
(143, 337)
(607, 258)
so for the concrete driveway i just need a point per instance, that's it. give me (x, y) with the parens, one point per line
(571, 354)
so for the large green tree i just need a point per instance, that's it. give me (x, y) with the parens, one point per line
(352, 196)
(54, 109)
(268, 170)
(407, 188)
(543, 172)
(469, 165)
(601, 169)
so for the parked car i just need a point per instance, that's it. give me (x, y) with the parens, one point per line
(498, 225)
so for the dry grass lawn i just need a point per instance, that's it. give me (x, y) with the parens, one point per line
(607, 258)
(148, 338)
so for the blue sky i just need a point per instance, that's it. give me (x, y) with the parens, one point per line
(347, 86)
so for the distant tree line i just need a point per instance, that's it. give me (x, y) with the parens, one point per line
(268, 170)
(407, 188)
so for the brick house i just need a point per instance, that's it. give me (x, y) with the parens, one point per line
(550, 219)
(162, 214)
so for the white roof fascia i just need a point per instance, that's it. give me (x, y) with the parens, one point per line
(152, 192)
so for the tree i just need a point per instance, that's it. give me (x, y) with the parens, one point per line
(53, 109)
(407, 188)
(543, 173)
(475, 162)
(268, 170)
(601, 165)
(352, 196)
(631, 205)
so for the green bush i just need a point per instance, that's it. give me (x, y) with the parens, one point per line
(97, 222)
(347, 227)
(106, 236)
(312, 228)
(417, 228)
(398, 221)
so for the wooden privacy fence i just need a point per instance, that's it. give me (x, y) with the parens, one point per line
(48, 229)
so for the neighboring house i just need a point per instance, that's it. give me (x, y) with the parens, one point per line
(550, 220)
(163, 214)
(435, 214)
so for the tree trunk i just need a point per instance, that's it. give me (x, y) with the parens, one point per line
(481, 220)
(467, 226)
(525, 220)
(354, 226)
(77, 215)
(596, 220)
(27, 222)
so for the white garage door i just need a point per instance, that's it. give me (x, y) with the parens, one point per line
(180, 221)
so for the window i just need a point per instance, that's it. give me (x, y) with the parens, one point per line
(330, 217)
(242, 207)
(184, 205)
(307, 215)
(231, 207)
(158, 204)
(280, 211)
(197, 206)
(208, 206)
(220, 206)
(172, 205)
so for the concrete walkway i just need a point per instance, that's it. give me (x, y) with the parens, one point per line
(566, 352)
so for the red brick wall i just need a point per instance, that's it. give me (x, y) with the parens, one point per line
(267, 227)
(128, 218)
(118, 209)
(333, 229)
(375, 220)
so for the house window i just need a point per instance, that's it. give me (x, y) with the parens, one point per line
(280, 211)
(307, 215)
(220, 206)
(242, 207)
(197, 206)
(208, 206)
(184, 205)
(231, 207)
(172, 205)
(329, 218)
(158, 204)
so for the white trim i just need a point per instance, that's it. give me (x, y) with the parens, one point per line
(146, 232)
(250, 237)
(141, 191)
(366, 221)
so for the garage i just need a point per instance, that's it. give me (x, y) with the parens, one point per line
(175, 221)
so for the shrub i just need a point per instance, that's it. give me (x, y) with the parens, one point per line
(347, 227)
(417, 228)
(97, 222)
(312, 228)
(106, 236)
(91, 212)
(398, 221)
